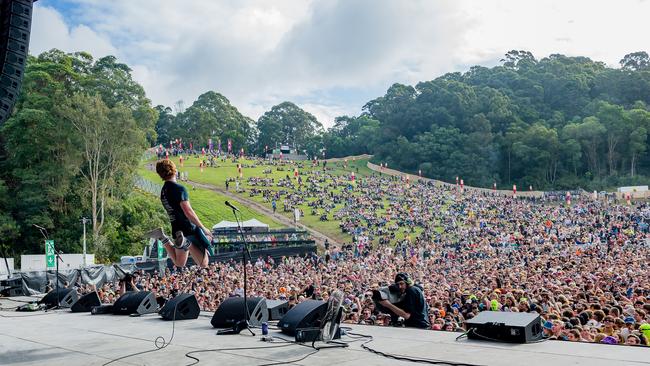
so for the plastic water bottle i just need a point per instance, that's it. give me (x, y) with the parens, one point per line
(265, 329)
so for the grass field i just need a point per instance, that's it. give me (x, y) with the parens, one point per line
(210, 204)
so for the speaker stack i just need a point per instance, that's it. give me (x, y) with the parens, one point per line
(500, 326)
(15, 26)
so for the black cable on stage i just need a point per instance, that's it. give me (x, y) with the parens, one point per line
(292, 361)
(406, 358)
(197, 360)
(47, 312)
(159, 346)
(284, 362)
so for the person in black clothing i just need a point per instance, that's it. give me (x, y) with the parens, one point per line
(189, 233)
(412, 306)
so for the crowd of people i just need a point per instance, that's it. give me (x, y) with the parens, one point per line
(583, 267)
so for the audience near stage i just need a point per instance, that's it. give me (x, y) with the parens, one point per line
(582, 266)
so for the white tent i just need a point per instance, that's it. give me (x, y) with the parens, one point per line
(252, 223)
(225, 225)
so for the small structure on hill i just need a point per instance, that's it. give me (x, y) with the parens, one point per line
(285, 152)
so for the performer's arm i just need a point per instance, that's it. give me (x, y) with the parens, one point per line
(387, 304)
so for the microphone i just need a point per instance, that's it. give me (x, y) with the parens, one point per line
(231, 206)
(38, 227)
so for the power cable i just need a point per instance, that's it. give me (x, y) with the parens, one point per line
(393, 356)
(159, 342)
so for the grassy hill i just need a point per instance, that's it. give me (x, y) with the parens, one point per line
(209, 204)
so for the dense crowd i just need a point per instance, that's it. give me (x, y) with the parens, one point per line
(583, 267)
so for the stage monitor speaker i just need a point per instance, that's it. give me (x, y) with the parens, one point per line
(11, 287)
(67, 297)
(86, 303)
(231, 311)
(12, 291)
(501, 326)
(307, 314)
(136, 302)
(181, 307)
(277, 308)
(15, 26)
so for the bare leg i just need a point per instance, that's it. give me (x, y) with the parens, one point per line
(199, 255)
(178, 256)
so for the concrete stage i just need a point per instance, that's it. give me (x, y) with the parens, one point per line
(64, 338)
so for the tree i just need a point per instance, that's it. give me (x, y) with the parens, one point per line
(164, 125)
(636, 61)
(286, 123)
(212, 116)
(590, 135)
(617, 125)
(111, 145)
(637, 146)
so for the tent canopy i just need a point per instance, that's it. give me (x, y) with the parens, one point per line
(248, 224)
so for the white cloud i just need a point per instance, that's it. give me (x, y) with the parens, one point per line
(602, 30)
(329, 57)
(50, 31)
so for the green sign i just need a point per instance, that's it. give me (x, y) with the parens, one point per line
(50, 261)
(161, 249)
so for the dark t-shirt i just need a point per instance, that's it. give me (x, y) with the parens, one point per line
(171, 196)
(414, 304)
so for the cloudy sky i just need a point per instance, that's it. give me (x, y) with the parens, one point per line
(328, 56)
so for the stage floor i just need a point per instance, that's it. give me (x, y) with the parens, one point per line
(64, 338)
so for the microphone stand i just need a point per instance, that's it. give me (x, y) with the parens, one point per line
(237, 327)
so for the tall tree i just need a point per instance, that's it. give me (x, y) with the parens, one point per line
(286, 123)
(111, 146)
(212, 116)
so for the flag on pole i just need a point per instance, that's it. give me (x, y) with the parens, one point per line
(514, 190)
(568, 198)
